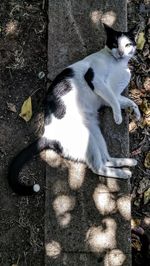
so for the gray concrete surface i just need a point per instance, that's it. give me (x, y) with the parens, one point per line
(87, 219)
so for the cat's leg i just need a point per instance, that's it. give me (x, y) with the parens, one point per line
(95, 162)
(102, 146)
(126, 102)
(100, 141)
(115, 172)
(120, 162)
(108, 96)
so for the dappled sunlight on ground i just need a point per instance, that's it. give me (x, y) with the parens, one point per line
(98, 16)
(62, 206)
(107, 203)
(112, 185)
(115, 257)
(124, 207)
(104, 201)
(51, 158)
(110, 204)
(76, 175)
(53, 249)
(103, 237)
(11, 27)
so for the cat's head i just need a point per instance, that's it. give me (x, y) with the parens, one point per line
(120, 44)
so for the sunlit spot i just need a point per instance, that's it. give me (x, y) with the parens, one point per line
(76, 175)
(147, 221)
(11, 27)
(112, 185)
(104, 200)
(52, 158)
(115, 257)
(53, 249)
(64, 219)
(124, 207)
(102, 238)
(96, 16)
(108, 17)
(62, 206)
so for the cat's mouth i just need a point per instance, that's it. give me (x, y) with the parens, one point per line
(117, 56)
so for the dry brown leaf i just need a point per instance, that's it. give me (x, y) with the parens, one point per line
(147, 160)
(146, 120)
(135, 223)
(135, 95)
(132, 126)
(147, 84)
(136, 152)
(140, 41)
(145, 107)
(147, 196)
(11, 107)
(26, 110)
(144, 184)
(136, 243)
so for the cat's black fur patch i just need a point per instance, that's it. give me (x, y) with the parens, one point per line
(89, 75)
(56, 146)
(59, 87)
(24, 156)
(112, 37)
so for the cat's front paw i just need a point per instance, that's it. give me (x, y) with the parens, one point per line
(137, 112)
(118, 118)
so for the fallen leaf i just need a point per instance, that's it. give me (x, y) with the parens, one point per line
(147, 84)
(11, 107)
(135, 223)
(135, 95)
(146, 196)
(144, 184)
(137, 202)
(140, 41)
(145, 106)
(147, 160)
(26, 110)
(146, 120)
(136, 152)
(136, 243)
(132, 126)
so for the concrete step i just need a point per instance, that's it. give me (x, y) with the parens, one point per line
(87, 218)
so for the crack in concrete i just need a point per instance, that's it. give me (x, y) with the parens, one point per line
(76, 27)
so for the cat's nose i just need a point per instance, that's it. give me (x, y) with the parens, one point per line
(120, 53)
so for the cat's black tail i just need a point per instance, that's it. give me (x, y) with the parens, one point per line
(17, 163)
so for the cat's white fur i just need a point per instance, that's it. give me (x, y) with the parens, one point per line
(78, 131)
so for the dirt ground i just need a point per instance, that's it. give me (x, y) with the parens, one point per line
(23, 68)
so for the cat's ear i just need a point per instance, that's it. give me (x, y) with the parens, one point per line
(133, 32)
(108, 29)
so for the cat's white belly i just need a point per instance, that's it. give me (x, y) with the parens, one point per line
(71, 134)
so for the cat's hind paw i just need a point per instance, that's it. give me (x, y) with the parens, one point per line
(118, 118)
(137, 113)
(120, 162)
(123, 173)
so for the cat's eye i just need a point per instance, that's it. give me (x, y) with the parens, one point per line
(128, 45)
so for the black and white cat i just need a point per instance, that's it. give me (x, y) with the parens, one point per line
(71, 111)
